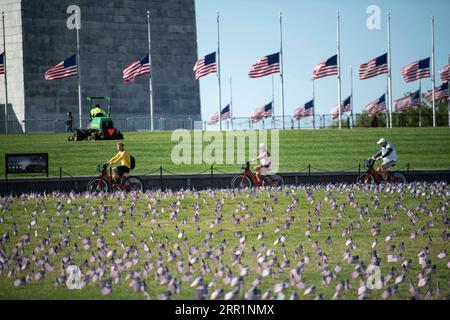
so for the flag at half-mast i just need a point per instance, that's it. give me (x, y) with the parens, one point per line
(416, 70)
(261, 112)
(305, 110)
(326, 68)
(136, 69)
(345, 107)
(373, 67)
(205, 65)
(445, 73)
(408, 102)
(376, 106)
(224, 115)
(265, 66)
(440, 92)
(2, 63)
(64, 69)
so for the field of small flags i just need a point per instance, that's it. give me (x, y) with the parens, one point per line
(302, 242)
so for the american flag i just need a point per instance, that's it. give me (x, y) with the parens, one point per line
(65, 69)
(267, 65)
(416, 70)
(439, 92)
(376, 106)
(224, 115)
(326, 68)
(410, 101)
(261, 112)
(2, 63)
(373, 68)
(205, 65)
(305, 110)
(136, 69)
(445, 73)
(346, 107)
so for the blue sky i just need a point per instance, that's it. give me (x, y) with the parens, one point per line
(249, 31)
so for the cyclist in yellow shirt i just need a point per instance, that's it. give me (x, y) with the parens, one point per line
(122, 157)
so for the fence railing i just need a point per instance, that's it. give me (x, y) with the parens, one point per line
(142, 123)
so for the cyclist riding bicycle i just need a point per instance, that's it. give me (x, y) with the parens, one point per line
(389, 156)
(122, 157)
(266, 163)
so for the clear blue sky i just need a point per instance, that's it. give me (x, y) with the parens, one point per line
(249, 31)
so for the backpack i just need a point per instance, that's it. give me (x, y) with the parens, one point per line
(132, 162)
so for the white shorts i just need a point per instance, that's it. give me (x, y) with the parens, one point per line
(265, 171)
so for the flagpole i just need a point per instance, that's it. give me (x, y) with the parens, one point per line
(351, 97)
(448, 87)
(314, 108)
(150, 82)
(273, 103)
(79, 69)
(6, 76)
(339, 68)
(420, 105)
(281, 70)
(433, 71)
(231, 104)
(389, 70)
(219, 98)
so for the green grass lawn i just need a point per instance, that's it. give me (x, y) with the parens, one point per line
(279, 206)
(323, 149)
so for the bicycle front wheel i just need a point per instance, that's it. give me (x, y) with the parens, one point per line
(240, 182)
(133, 184)
(97, 185)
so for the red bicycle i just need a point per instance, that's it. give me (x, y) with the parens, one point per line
(372, 176)
(104, 183)
(248, 179)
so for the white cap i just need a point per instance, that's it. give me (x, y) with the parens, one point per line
(381, 141)
(263, 146)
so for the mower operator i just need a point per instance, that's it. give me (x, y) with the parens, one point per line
(98, 112)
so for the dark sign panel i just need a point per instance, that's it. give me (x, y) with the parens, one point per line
(26, 163)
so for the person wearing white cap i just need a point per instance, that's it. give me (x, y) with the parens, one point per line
(266, 163)
(389, 156)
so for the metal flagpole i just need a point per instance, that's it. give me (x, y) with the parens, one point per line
(351, 97)
(281, 71)
(273, 103)
(231, 104)
(448, 100)
(420, 105)
(389, 70)
(79, 68)
(6, 75)
(339, 68)
(433, 71)
(314, 108)
(150, 82)
(219, 98)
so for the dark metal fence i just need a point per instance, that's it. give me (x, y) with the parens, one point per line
(142, 123)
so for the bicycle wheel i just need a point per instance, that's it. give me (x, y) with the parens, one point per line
(241, 181)
(276, 180)
(97, 185)
(365, 178)
(133, 184)
(397, 177)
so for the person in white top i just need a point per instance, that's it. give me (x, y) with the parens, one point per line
(266, 163)
(389, 156)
